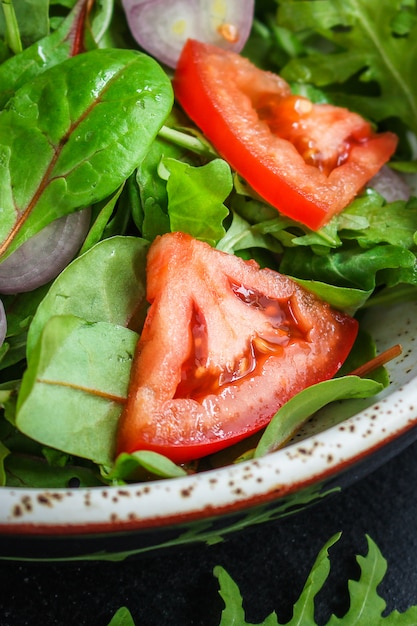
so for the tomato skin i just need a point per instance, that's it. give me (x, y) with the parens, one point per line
(224, 345)
(225, 95)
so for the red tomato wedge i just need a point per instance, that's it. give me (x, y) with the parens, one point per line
(224, 345)
(307, 160)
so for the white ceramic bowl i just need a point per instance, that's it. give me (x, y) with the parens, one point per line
(342, 443)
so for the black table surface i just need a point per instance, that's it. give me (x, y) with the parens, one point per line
(269, 563)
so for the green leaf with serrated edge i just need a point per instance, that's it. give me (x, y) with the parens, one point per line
(195, 204)
(106, 284)
(82, 370)
(290, 417)
(46, 52)
(349, 267)
(63, 116)
(303, 614)
(366, 606)
(362, 32)
(241, 235)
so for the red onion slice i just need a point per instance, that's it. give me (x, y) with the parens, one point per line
(390, 185)
(161, 27)
(42, 257)
(3, 324)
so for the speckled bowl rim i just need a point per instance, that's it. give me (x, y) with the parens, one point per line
(227, 490)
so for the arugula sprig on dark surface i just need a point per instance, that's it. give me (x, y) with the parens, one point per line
(366, 606)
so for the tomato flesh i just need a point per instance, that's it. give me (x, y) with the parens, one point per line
(307, 160)
(224, 345)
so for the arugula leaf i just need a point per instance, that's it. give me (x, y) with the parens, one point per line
(63, 116)
(30, 471)
(350, 267)
(366, 606)
(378, 40)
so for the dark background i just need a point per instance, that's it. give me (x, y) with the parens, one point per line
(269, 563)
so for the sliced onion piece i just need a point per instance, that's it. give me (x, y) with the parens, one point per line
(390, 185)
(42, 257)
(3, 324)
(161, 27)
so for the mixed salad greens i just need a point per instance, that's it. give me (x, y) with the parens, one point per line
(89, 123)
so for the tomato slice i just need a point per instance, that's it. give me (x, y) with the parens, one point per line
(307, 160)
(224, 345)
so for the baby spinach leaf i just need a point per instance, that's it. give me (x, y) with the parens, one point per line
(146, 462)
(89, 120)
(82, 370)
(343, 298)
(296, 411)
(106, 284)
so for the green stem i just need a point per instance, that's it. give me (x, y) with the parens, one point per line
(186, 141)
(12, 29)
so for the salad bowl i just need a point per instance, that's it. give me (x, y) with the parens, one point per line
(336, 447)
(160, 169)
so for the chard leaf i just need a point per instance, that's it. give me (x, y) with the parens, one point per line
(196, 196)
(89, 120)
(46, 52)
(291, 416)
(82, 370)
(106, 284)
(366, 38)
